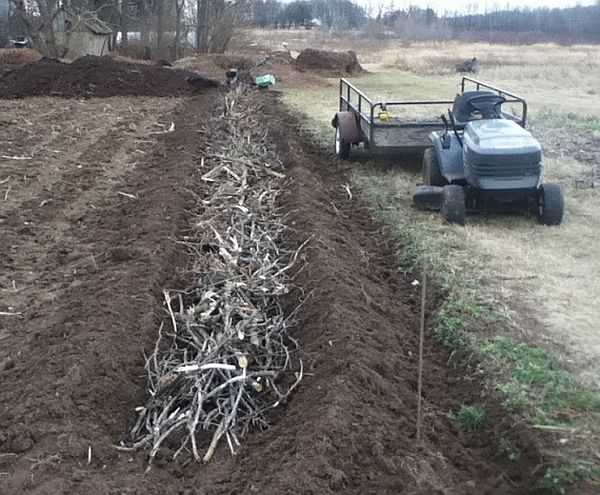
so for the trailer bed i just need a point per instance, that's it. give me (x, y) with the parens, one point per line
(400, 134)
(383, 127)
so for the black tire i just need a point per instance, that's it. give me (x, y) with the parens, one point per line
(341, 147)
(551, 205)
(453, 204)
(432, 176)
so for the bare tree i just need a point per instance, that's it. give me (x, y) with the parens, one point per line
(160, 25)
(36, 20)
(124, 11)
(179, 8)
(215, 23)
(203, 11)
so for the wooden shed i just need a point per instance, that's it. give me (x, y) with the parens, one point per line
(81, 34)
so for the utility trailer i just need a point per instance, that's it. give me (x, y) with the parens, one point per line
(360, 120)
(478, 157)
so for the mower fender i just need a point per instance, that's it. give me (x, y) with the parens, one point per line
(450, 158)
(349, 129)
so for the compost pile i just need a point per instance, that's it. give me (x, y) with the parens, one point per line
(224, 356)
(333, 63)
(97, 76)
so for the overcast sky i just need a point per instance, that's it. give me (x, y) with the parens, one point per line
(464, 5)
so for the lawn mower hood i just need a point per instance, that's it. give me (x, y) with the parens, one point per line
(498, 154)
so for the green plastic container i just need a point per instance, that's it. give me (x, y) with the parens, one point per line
(265, 81)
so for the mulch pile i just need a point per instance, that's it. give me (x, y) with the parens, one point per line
(100, 77)
(336, 63)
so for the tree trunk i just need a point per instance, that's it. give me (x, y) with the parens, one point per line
(160, 21)
(23, 27)
(124, 23)
(144, 20)
(47, 11)
(179, 4)
(202, 28)
(198, 23)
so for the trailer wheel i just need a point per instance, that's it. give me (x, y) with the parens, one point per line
(551, 205)
(432, 176)
(342, 148)
(453, 204)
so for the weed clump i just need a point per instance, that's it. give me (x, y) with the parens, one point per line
(471, 418)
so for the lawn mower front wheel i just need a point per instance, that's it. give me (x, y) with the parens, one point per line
(551, 204)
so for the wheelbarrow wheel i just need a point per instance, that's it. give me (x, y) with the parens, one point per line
(342, 148)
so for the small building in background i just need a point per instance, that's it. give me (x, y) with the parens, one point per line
(78, 35)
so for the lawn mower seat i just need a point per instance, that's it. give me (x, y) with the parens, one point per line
(462, 109)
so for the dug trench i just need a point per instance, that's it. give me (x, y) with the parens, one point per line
(77, 374)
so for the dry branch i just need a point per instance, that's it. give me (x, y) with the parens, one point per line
(224, 357)
(10, 313)
(9, 157)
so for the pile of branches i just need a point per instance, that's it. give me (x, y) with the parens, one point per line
(224, 354)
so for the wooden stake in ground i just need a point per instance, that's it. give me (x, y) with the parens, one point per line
(420, 367)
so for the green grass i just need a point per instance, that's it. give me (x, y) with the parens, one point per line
(537, 383)
(471, 418)
(557, 479)
(456, 314)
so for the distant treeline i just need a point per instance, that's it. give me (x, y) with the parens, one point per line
(566, 24)
(341, 14)
(573, 24)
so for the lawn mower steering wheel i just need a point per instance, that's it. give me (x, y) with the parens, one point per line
(487, 105)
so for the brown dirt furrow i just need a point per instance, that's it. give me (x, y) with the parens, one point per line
(66, 140)
(59, 192)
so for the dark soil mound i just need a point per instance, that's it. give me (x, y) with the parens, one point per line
(333, 62)
(97, 76)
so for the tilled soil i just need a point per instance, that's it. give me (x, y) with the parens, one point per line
(87, 237)
(92, 76)
(86, 229)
